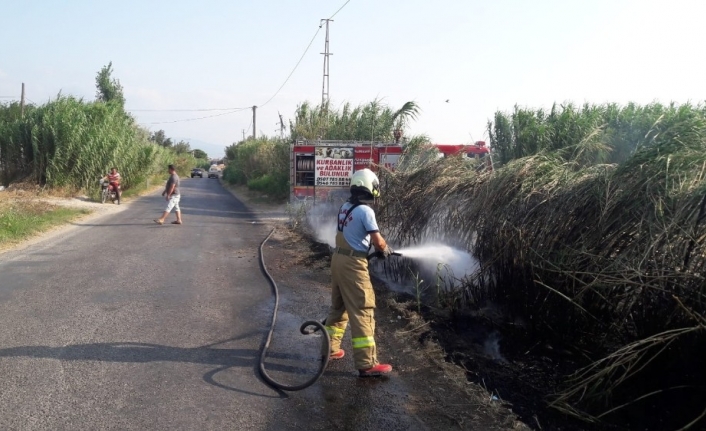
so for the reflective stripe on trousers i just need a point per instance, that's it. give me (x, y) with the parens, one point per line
(363, 342)
(335, 333)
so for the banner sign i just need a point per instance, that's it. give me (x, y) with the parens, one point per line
(365, 156)
(334, 166)
(389, 161)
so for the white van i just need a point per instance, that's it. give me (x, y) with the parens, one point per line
(213, 171)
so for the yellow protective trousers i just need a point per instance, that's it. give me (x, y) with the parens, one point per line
(352, 298)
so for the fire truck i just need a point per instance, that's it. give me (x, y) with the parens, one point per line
(319, 169)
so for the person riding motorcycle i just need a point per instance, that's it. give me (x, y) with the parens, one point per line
(113, 178)
(352, 295)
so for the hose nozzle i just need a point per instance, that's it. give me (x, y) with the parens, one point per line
(380, 255)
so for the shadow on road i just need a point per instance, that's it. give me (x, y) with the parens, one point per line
(132, 352)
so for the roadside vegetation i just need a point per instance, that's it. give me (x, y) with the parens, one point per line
(69, 143)
(373, 121)
(591, 231)
(20, 219)
(65, 145)
(263, 164)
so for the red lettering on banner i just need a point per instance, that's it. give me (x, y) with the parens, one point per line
(335, 168)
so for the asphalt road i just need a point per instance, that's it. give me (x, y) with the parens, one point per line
(121, 323)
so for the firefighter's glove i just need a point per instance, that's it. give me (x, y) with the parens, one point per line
(384, 254)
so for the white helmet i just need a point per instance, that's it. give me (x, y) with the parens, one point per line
(366, 180)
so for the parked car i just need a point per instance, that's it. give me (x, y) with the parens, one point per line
(196, 172)
(213, 171)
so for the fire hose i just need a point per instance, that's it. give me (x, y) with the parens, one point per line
(319, 326)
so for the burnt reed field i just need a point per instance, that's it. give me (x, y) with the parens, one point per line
(592, 230)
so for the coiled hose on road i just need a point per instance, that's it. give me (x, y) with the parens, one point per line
(303, 329)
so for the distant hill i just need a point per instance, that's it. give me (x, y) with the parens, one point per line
(214, 151)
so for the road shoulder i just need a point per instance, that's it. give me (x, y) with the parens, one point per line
(92, 211)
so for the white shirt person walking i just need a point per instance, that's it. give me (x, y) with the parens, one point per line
(172, 195)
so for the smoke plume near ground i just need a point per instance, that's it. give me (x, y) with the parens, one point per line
(321, 218)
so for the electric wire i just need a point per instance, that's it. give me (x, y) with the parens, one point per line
(185, 110)
(303, 329)
(234, 110)
(339, 9)
(248, 129)
(294, 69)
(302, 57)
(199, 118)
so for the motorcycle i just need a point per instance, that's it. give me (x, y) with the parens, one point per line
(108, 192)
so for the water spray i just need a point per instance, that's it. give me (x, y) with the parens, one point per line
(458, 262)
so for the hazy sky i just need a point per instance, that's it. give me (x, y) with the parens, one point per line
(482, 56)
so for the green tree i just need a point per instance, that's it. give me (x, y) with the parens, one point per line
(402, 117)
(108, 89)
(181, 147)
(200, 154)
(158, 137)
(232, 150)
(373, 121)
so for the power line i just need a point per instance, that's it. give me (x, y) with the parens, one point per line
(199, 118)
(302, 57)
(339, 9)
(185, 110)
(234, 110)
(295, 68)
(237, 109)
(14, 97)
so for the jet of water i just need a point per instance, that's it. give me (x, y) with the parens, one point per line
(432, 256)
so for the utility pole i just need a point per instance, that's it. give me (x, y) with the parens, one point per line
(326, 54)
(22, 101)
(325, 84)
(243, 134)
(254, 122)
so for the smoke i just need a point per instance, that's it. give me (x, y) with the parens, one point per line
(448, 262)
(322, 219)
(491, 348)
(432, 260)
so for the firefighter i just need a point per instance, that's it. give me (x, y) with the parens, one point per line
(352, 296)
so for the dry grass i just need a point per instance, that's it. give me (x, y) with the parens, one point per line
(22, 216)
(608, 258)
